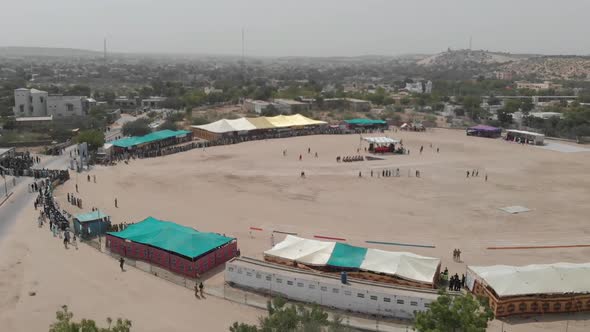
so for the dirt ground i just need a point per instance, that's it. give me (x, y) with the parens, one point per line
(228, 189)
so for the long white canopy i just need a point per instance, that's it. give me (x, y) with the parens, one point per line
(558, 278)
(219, 127)
(381, 140)
(404, 265)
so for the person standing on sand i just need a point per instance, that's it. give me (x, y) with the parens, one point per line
(201, 288)
(94, 178)
(116, 203)
(77, 188)
(486, 178)
(121, 262)
(197, 291)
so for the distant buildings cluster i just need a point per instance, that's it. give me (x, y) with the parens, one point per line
(290, 106)
(419, 87)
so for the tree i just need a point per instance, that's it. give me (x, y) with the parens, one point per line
(512, 105)
(65, 323)
(138, 127)
(289, 318)
(94, 138)
(168, 124)
(78, 90)
(504, 117)
(270, 110)
(455, 314)
(198, 121)
(527, 105)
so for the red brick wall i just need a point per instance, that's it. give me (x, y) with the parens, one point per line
(174, 263)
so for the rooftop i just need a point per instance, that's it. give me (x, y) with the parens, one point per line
(172, 237)
(35, 118)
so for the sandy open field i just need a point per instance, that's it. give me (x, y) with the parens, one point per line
(228, 189)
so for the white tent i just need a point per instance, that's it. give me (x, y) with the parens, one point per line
(241, 124)
(301, 250)
(219, 127)
(381, 140)
(558, 278)
(404, 265)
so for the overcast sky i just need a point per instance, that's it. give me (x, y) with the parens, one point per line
(299, 27)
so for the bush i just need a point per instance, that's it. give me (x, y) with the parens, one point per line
(94, 138)
(138, 127)
(65, 323)
(168, 124)
(200, 121)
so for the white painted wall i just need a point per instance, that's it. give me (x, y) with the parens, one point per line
(346, 297)
(58, 106)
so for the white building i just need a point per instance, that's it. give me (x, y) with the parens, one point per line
(152, 102)
(255, 106)
(65, 106)
(327, 290)
(29, 103)
(419, 87)
(290, 106)
(37, 103)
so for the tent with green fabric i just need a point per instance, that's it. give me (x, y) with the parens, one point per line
(418, 270)
(172, 237)
(171, 246)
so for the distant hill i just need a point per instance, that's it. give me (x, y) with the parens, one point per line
(539, 67)
(12, 51)
(463, 57)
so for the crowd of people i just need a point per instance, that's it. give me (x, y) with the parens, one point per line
(456, 283)
(348, 159)
(119, 227)
(16, 165)
(75, 201)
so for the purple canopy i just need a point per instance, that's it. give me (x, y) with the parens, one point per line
(485, 128)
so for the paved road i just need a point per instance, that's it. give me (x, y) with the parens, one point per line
(21, 198)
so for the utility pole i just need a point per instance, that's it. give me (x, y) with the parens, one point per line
(243, 60)
(470, 42)
(105, 51)
(5, 187)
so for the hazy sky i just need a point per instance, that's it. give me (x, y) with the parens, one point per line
(299, 27)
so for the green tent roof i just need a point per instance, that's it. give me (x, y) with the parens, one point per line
(90, 216)
(153, 137)
(365, 122)
(347, 256)
(172, 237)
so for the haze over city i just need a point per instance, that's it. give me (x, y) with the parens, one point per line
(299, 28)
(273, 165)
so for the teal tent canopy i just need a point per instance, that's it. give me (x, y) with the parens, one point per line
(347, 256)
(149, 138)
(90, 216)
(172, 237)
(365, 122)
